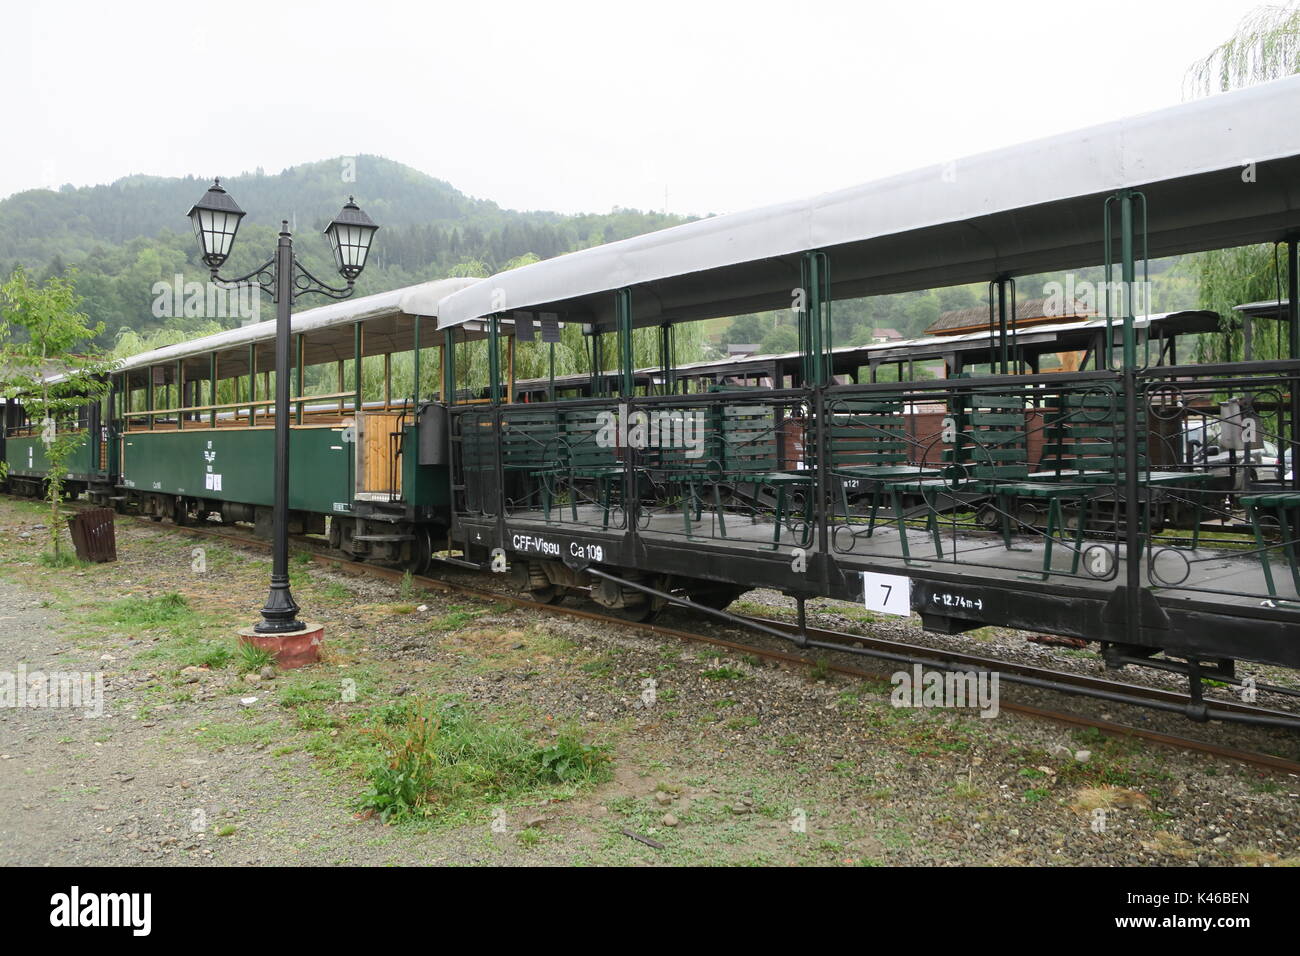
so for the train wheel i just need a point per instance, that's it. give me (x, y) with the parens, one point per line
(640, 613)
(422, 551)
(551, 595)
(717, 598)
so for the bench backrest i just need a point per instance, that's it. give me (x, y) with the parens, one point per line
(867, 432)
(1085, 432)
(991, 442)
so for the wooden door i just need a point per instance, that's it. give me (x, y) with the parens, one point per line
(376, 448)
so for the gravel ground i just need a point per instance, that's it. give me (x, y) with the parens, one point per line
(731, 760)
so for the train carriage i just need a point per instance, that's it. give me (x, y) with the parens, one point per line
(196, 425)
(1121, 497)
(91, 466)
(1044, 492)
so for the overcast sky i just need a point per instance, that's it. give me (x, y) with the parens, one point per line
(707, 106)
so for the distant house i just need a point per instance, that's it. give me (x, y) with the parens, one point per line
(742, 349)
(1029, 312)
(886, 335)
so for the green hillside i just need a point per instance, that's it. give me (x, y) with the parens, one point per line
(124, 237)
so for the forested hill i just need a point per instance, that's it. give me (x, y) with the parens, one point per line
(124, 237)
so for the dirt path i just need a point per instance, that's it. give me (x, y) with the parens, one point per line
(727, 761)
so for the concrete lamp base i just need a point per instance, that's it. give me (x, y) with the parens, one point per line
(296, 649)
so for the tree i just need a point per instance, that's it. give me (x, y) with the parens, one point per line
(780, 340)
(746, 330)
(52, 369)
(1265, 46)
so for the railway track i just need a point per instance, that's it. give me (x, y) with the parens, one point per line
(839, 641)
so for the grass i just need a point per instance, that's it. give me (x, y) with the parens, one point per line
(253, 658)
(239, 733)
(305, 692)
(434, 760)
(169, 611)
(172, 615)
(334, 591)
(64, 559)
(454, 619)
(723, 672)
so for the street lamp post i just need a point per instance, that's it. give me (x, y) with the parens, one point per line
(216, 220)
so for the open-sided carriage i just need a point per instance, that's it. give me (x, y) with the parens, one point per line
(1006, 492)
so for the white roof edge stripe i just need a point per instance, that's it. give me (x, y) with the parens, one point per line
(415, 300)
(1203, 136)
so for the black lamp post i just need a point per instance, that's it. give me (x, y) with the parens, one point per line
(216, 220)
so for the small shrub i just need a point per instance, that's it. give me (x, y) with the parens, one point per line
(253, 658)
(723, 673)
(433, 760)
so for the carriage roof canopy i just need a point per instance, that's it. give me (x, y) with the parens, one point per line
(389, 316)
(1026, 209)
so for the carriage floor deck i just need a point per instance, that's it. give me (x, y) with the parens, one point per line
(1203, 575)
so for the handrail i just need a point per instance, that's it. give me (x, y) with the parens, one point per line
(260, 403)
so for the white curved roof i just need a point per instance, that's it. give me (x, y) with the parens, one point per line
(411, 302)
(1020, 210)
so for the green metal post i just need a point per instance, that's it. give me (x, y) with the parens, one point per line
(815, 318)
(815, 365)
(416, 372)
(1003, 325)
(623, 308)
(494, 357)
(666, 363)
(1127, 272)
(252, 383)
(449, 367)
(1293, 292)
(299, 375)
(356, 366)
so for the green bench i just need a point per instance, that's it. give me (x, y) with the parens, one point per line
(1285, 506)
(529, 446)
(867, 445)
(583, 456)
(740, 447)
(990, 458)
(1086, 445)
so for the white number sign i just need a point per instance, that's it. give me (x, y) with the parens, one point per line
(887, 593)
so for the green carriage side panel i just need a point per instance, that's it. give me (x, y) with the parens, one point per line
(26, 457)
(426, 486)
(239, 465)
